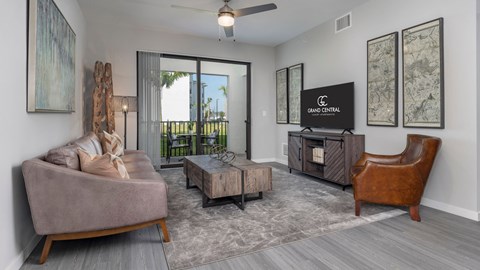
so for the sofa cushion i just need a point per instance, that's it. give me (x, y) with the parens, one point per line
(90, 143)
(105, 165)
(112, 143)
(65, 156)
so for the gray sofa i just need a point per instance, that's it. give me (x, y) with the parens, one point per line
(67, 203)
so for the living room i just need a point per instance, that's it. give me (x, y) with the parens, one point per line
(328, 58)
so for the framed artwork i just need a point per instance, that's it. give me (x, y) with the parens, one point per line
(382, 81)
(423, 85)
(282, 96)
(295, 85)
(51, 59)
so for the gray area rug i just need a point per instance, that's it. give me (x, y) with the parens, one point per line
(297, 208)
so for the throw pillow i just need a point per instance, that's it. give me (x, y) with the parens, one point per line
(65, 156)
(112, 143)
(106, 165)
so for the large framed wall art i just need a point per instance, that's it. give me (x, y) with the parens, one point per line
(282, 96)
(51, 59)
(382, 81)
(423, 80)
(295, 85)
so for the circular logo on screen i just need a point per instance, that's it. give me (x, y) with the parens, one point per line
(321, 101)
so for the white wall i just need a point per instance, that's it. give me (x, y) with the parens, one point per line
(478, 102)
(118, 44)
(25, 135)
(331, 59)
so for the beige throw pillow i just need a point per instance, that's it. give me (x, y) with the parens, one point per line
(106, 165)
(112, 143)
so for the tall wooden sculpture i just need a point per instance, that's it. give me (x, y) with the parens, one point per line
(109, 110)
(97, 97)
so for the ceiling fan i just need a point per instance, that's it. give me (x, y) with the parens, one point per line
(226, 15)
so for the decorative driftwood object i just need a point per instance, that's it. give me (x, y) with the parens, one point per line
(109, 109)
(97, 97)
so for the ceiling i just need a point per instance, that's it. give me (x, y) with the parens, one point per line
(269, 28)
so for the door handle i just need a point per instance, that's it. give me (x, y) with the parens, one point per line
(299, 153)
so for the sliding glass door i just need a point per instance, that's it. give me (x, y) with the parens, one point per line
(202, 103)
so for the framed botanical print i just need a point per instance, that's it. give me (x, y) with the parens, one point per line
(282, 96)
(295, 85)
(423, 80)
(382, 81)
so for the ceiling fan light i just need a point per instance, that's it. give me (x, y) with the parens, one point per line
(226, 19)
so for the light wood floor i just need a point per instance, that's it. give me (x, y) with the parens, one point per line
(440, 241)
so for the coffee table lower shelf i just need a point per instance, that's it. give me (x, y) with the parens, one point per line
(238, 200)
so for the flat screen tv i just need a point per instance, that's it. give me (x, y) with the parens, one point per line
(330, 107)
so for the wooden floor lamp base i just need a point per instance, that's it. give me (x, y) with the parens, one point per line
(82, 235)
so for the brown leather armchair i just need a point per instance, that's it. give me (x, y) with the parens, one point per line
(396, 179)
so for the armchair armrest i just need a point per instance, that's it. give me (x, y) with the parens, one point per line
(65, 201)
(399, 184)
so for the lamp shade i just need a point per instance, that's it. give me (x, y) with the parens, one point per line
(125, 103)
(226, 19)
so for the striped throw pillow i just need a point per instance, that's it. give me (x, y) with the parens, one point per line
(112, 143)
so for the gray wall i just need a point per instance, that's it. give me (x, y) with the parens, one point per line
(25, 135)
(335, 58)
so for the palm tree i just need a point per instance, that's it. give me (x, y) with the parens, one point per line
(168, 78)
(224, 90)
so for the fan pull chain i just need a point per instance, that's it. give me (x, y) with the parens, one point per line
(219, 34)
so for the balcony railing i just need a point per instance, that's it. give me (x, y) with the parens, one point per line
(186, 130)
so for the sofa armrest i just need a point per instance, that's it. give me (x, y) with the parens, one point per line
(65, 201)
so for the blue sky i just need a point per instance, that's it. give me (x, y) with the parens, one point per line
(213, 83)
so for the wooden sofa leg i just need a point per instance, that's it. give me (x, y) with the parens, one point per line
(46, 249)
(415, 213)
(166, 237)
(358, 204)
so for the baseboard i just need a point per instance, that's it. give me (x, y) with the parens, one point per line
(263, 160)
(281, 161)
(18, 261)
(455, 210)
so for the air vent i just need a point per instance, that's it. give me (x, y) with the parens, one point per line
(285, 149)
(343, 22)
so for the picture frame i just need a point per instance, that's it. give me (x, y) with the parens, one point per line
(382, 81)
(295, 85)
(51, 59)
(423, 75)
(282, 96)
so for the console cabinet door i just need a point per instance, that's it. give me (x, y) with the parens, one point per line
(334, 161)
(295, 152)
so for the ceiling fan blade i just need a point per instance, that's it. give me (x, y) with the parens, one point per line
(253, 10)
(228, 31)
(195, 9)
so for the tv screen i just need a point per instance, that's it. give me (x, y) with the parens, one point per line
(328, 107)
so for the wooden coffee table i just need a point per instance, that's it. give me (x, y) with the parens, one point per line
(223, 183)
